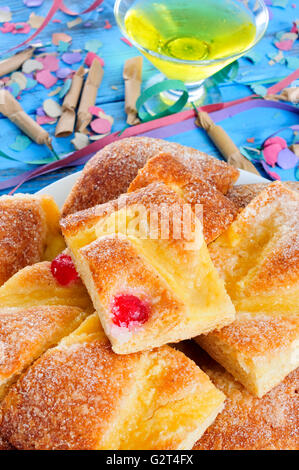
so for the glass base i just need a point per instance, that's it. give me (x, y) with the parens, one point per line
(200, 93)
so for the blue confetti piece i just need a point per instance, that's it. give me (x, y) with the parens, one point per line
(253, 56)
(280, 3)
(65, 88)
(21, 143)
(259, 90)
(293, 63)
(15, 89)
(31, 83)
(93, 45)
(63, 46)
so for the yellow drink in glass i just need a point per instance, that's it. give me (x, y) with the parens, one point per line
(190, 30)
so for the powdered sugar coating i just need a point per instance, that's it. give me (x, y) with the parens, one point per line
(22, 233)
(110, 172)
(250, 423)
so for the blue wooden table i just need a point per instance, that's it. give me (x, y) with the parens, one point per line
(256, 123)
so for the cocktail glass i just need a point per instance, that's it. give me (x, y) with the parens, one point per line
(194, 73)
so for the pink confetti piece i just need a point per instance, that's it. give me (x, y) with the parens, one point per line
(101, 126)
(45, 78)
(41, 120)
(56, 37)
(294, 28)
(22, 28)
(285, 45)
(126, 41)
(56, 21)
(71, 57)
(107, 25)
(90, 57)
(95, 111)
(287, 159)
(276, 140)
(7, 27)
(272, 174)
(50, 62)
(63, 72)
(271, 154)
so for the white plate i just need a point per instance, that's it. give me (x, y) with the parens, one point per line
(61, 188)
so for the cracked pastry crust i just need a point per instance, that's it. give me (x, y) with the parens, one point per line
(35, 313)
(177, 280)
(109, 173)
(218, 212)
(81, 395)
(258, 258)
(29, 232)
(248, 422)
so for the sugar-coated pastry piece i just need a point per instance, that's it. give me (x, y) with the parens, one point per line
(148, 273)
(258, 257)
(29, 232)
(81, 395)
(241, 195)
(109, 173)
(218, 211)
(35, 313)
(248, 422)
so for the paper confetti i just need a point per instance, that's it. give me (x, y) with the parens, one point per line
(284, 45)
(90, 57)
(52, 108)
(33, 3)
(80, 140)
(280, 3)
(65, 88)
(41, 120)
(276, 140)
(20, 79)
(5, 14)
(63, 46)
(107, 25)
(293, 63)
(93, 45)
(95, 111)
(101, 126)
(63, 72)
(31, 65)
(73, 23)
(21, 143)
(271, 154)
(35, 21)
(259, 89)
(253, 56)
(45, 78)
(50, 62)
(287, 159)
(55, 91)
(71, 57)
(57, 37)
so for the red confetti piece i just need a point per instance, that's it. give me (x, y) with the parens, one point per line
(90, 57)
(250, 140)
(126, 41)
(107, 25)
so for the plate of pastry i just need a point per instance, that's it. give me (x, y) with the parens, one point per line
(111, 338)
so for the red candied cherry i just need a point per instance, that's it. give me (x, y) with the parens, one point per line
(129, 310)
(63, 269)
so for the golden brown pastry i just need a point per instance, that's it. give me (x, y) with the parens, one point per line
(148, 287)
(35, 313)
(241, 195)
(258, 257)
(218, 212)
(109, 173)
(248, 422)
(81, 395)
(29, 232)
